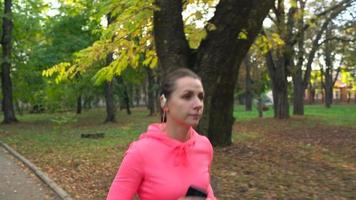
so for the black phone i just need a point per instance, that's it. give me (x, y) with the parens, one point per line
(195, 192)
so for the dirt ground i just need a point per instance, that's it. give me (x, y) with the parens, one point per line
(287, 160)
(269, 159)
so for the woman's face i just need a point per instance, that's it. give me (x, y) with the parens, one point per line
(186, 102)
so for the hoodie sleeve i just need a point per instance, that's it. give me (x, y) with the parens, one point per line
(128, 177)
(210, 189)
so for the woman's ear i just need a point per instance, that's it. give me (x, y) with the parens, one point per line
(163, 100)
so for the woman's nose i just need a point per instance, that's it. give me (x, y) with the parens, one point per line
(198, 103)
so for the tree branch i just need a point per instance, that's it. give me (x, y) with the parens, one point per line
(342, 39)
(337, 74)
(335, 9)
(315, 45)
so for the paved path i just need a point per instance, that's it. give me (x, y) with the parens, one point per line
(18, 183)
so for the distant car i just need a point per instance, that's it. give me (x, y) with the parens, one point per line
(266, 101)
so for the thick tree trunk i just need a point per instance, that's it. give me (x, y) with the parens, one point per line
(218, 117)
(218, 57)
(6, 85)
(151, 91)
(248, 85)
(171, 45)
(218, 60)
(79, 104)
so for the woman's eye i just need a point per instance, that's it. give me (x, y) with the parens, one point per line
(187, 96)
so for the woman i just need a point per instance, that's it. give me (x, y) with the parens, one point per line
(171, 156)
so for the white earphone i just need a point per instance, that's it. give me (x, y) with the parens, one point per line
(163, 100)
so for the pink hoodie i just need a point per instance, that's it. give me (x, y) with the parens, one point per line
(157, 167)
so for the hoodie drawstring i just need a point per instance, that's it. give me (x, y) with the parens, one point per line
(180, 152)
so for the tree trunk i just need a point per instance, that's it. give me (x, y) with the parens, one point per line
(79, 104)
(137, 95)
(328, 95)
(329, 60)
(259, 106)
(218, 60)
(108, 86)
(277, 73)
(311, 94)
(151, 91)
(109, 99)
(248, 85)
(218, 57)
(298, 84)
(171, 45)
(6, 85)
(298, 94)
(280, 61)
(126, 98)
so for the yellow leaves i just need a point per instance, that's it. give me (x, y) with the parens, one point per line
(60, 70)
(211, 27)
(151, 59)
(277, 40)
(242, 35)
(264, 44)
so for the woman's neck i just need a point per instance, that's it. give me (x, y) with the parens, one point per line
(176, 131)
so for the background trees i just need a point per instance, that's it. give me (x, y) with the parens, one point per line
(6, 84)
(69, 54)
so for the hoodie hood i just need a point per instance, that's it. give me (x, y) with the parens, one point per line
(178, 149)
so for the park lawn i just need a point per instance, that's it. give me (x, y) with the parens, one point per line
(305, 157)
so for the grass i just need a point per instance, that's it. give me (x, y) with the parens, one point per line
(304, 157)
(336, 115)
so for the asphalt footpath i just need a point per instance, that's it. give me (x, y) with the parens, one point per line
(18, 182)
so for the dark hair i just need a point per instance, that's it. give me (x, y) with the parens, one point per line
(169, 83)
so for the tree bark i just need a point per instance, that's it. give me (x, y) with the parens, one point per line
(6, 85)
(329, 82)
(109, 99)
(108, 86)
(218, 60)
(218, 57)
(79, 104)
(298, 87)
(278, 75)
(328, 94)
(248, 85)
(151, 91)
(126, 98)
(298, 97)
(169, 36)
